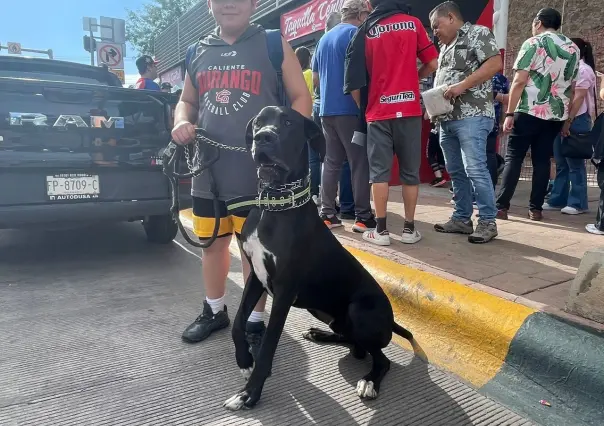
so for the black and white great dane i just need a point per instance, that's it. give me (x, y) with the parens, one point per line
(300, 263)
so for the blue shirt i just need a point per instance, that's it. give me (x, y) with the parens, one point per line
(147, 84)
(328, 61)
(500, 85)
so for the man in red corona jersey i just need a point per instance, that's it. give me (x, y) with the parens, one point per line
(393, 112)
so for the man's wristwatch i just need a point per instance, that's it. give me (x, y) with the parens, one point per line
(509, 114)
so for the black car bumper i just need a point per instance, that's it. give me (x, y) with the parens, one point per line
(51, 215)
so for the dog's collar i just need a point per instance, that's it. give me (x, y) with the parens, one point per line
(285, 197)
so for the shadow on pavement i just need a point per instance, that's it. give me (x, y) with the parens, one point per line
(290, 397)
(408, 395)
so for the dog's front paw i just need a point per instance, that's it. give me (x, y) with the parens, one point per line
(237, 402)
(244, 399)
(365, 390)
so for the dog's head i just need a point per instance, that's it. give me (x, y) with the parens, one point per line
(277, 138)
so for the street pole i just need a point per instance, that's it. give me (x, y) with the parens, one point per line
(92, 51)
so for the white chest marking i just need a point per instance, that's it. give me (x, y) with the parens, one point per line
(257, 252)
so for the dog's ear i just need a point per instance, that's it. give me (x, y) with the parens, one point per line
(249, 134)
(315, 137)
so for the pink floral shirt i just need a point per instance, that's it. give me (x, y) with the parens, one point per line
(552, 61)
(587, 80)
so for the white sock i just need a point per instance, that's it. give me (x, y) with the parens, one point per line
(256, 316)
(217, 305)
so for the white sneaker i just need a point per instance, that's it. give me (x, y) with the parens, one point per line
(410, 237)
(547, 206)
(380, 239)
(592, 229)
(571, 210)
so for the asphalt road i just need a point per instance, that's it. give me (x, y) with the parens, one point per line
(90, 324)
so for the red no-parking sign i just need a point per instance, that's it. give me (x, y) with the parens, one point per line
(110, 54)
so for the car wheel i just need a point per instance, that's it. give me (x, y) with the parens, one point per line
(160, 229)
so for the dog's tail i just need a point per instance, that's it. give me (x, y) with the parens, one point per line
(402, 331)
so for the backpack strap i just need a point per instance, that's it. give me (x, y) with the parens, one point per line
(190, 55)
(275, 49)
(275, 53)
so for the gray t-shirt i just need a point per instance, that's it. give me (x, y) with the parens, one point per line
(234, 83)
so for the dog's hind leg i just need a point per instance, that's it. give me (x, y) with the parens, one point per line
(251, 294)
(369, 386)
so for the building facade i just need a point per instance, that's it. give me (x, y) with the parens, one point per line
(302, 22)
(304, 28)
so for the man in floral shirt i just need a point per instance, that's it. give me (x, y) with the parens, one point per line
(469, 58)
(542, 90)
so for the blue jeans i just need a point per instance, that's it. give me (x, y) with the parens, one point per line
(346, 197)
(570, 185)
(464, 145)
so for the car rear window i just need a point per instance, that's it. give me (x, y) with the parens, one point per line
(58, 72)
(52, 77)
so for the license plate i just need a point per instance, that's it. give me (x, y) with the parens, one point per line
(72, 186)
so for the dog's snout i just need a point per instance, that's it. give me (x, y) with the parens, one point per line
(265, 137)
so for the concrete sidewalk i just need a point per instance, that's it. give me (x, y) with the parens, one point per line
(535, 260)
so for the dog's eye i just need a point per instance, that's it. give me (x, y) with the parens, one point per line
(288, 123)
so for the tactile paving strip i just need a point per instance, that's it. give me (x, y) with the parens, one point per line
(91, 336)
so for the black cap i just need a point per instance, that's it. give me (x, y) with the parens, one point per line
(143, 63)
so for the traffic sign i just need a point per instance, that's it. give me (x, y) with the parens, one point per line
(110, 54)
(120, 74)
(14, 48)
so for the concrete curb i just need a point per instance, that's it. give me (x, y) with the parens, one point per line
(509, 348)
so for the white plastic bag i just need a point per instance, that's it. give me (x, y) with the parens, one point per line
(435, 102)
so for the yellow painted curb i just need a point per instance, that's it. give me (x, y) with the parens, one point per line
(463, 330)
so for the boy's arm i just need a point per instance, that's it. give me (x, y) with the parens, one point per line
(185, 114)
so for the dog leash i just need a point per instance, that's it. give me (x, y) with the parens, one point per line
(283, 197)
(172, 157)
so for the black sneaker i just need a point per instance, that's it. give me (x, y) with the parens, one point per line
(331, 221)
(205, 324)
(363, 225)
(438, 182)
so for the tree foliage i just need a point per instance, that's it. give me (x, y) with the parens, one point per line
(145, 24)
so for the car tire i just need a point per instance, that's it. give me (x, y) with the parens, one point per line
(160, 229)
